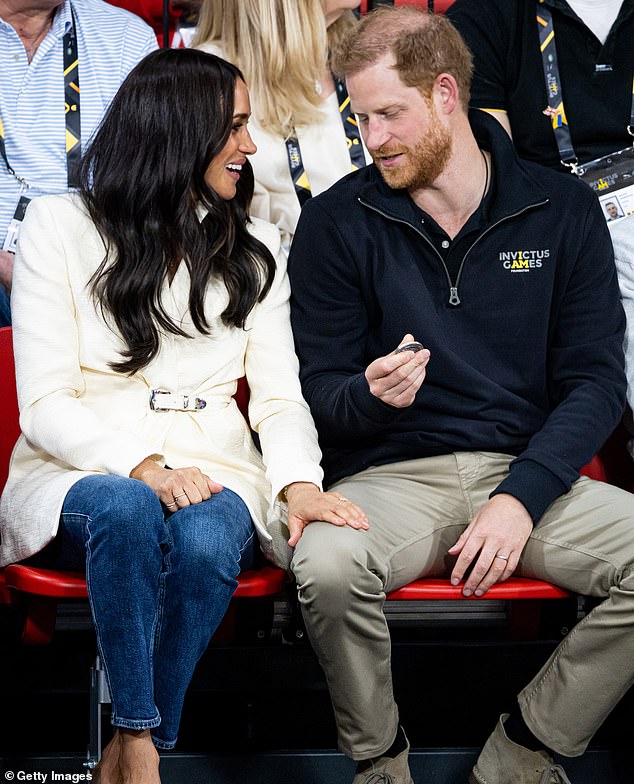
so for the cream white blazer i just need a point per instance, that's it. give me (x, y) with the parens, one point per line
(79, 417)
(324, 154)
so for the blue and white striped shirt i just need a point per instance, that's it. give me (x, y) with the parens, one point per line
(110, 42)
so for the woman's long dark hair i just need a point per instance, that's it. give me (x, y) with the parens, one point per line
(143, 182)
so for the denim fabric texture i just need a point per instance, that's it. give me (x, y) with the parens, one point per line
(158, 586)
(5, 308)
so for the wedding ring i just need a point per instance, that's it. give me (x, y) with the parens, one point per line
(172, 504)
(503, 557)
(180, 495)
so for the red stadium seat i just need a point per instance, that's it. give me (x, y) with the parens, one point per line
(514, 588)
(40, 589)
(51, 585)
(440, 6)
(9, 414)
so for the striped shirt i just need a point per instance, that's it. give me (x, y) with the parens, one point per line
(110, 41)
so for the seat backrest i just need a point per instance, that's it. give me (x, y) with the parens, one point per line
(9, 413)
(440, 6)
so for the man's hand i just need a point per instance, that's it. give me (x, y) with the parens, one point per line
(306, 503)
(493, 542)
(6, 269)
(176, 488)
(396, 378)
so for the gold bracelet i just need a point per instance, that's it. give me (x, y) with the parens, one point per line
(283, 494)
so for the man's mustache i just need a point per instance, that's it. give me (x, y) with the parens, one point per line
(387, 152)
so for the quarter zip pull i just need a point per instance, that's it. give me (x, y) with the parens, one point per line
(454, 299)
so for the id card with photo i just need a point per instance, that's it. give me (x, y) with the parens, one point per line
(612, 179)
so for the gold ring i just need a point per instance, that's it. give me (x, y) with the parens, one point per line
(342, 500)
(180, 495)
(172, 504)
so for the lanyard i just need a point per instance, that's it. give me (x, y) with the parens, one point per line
(353, 138)
(71, 110)
(554, 92)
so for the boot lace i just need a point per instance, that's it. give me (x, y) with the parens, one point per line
(554, 774)
(379, 778)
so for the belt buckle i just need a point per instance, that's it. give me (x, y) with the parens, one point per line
(154, 403)
(174, 402)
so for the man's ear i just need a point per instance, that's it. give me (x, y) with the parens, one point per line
(445, 91)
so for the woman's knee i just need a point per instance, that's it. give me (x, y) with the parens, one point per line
(212, 537)
(125, 510)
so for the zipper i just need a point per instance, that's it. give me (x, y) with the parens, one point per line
(454, 297)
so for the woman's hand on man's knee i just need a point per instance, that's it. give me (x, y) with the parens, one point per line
(307, 503)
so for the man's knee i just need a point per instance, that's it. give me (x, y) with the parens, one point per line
(332, 569)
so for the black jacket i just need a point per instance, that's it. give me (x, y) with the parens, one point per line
(529, 363)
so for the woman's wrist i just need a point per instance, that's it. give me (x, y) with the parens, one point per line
(287, 492)
(140, 471)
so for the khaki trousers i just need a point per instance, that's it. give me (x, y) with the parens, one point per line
(417, 509)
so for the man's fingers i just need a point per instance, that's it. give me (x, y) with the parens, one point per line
(400, 389)
(460, 543)
(404, 395)
(486, 571)
(394, 368)
(464, 561)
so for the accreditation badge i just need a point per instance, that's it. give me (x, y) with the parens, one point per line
(11, 240)
(612, 179)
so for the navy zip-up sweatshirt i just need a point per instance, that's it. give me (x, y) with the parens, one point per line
(526, 342)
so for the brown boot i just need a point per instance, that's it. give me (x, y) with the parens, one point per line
(387, 770)
(503, 762)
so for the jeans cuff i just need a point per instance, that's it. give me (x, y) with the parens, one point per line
(165, 745)
(136, 724)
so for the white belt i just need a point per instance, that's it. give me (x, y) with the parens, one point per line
(161, 400)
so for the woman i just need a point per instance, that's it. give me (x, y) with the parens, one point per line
(138, 304)
(305, 143)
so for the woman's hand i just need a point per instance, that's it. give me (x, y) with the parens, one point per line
(307, 503)
(176, 488)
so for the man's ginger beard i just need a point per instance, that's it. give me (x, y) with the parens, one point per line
(425, 161)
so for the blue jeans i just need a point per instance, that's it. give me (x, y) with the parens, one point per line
(158, 586)
(5, 307)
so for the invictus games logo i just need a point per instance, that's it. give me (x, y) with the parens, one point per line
(523, 260)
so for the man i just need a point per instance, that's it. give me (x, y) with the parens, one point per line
(464, 454)
(612, 211)
(49, 51)
(591, 94)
